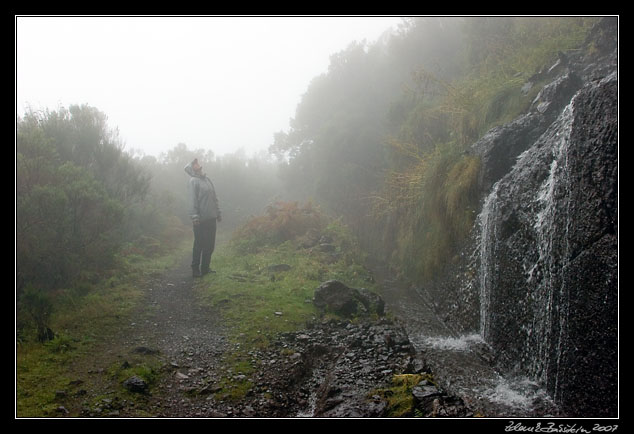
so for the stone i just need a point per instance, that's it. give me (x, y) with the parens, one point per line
(145, 350)
(181, 376)
(372, 301)
(136, 384)
(209, 389)
(424, 391)
(335, 296)
(327, 248)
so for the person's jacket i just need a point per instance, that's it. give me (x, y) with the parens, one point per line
(203, 203)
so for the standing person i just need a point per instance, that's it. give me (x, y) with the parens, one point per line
(204, 212)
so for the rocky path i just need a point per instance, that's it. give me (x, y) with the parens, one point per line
(326, 370)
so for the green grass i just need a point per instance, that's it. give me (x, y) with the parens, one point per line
(399, 394)
(257, 304)
(83, 319)
(39, 374)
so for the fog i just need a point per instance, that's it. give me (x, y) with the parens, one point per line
(215, 83)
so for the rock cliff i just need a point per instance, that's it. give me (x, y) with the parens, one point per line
(539, 277)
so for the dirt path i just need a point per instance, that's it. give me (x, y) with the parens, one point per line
(169, 333)
(187, 338)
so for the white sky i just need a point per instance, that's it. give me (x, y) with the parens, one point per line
(219, 83)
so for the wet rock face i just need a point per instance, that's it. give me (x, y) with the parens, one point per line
(539, 277)
(548, 277)
(500, 147)
(590, 278)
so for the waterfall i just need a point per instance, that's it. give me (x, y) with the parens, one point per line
(530, 202)
(487, 242)
(538, 278)
(551, 228)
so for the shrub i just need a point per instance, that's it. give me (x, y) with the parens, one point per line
(282, 221)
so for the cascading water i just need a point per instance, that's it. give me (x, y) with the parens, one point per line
(550, 285)
(542, 267)
(547, 245)
(487, 242)
(538, 279)
(539, 213)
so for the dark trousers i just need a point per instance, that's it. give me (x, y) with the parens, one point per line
(204, 244)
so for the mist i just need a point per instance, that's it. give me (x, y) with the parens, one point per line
(367, 148)
(219, 83)
(279, 110)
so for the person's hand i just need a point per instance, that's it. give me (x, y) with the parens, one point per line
(219, 218)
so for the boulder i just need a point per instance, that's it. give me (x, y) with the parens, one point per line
(372, 302)
(337, 297)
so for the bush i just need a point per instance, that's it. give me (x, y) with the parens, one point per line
(282, 221)
(74, 189)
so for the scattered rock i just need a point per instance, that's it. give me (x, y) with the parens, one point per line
(330, 368)
(136, 384)
(181, 376)
(425, 390)
(209, 389)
